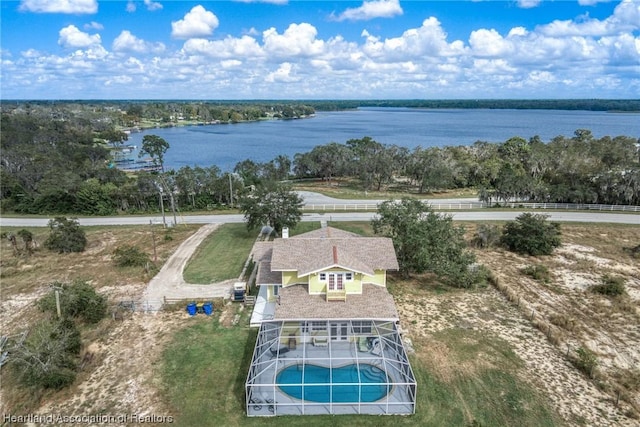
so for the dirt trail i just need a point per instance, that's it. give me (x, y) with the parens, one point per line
(170, 283)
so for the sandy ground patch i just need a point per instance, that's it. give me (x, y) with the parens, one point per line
(574, 397)
(120, 378)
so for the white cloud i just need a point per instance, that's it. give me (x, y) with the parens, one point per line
(582, 57)
(489, 43)
(198, 22)
(626, 17)
(297, 40)
(429, 40)
(59, 6)
(528, 4)
(93, 26)
(72, 37)
(131, 6)
(127, 42)
(372, 9)
(152, 5)
(230, 47)
(282, 74)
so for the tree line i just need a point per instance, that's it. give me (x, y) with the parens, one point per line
(61, 163)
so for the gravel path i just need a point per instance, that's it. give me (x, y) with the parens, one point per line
(170, 283)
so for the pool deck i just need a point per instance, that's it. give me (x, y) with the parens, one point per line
(336, 354)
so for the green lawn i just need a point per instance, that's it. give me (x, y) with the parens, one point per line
(221, 255)
(206, 365)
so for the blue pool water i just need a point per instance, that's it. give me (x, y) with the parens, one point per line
(371, 383)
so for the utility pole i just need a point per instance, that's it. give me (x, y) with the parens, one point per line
(164, 221)
(153, 236)
(57, 291)
(230, 191)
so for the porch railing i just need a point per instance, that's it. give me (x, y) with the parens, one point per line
(337, 295)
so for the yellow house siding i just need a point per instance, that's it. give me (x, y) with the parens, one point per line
(315, 285)
(354, 286)
(291, 278)
(380, 278)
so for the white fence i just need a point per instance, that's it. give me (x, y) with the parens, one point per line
(476, 205)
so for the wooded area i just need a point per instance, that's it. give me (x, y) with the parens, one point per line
(58, 159)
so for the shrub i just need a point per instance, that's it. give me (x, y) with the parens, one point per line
(65, 236)
(486, 236)
(77, 300)
(531, 234)
(130, 256)
(586, 361)
(634, 252)
(48, 358)
(610, 286)
(537, 272)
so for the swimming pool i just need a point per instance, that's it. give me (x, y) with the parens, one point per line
(343, 384)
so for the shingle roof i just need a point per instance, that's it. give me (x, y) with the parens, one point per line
(266, 276)
(330, 247)
(375, 302)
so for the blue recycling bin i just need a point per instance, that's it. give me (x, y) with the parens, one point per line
(207, 307)
(191, 308)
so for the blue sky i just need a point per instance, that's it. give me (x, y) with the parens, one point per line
(279, 49)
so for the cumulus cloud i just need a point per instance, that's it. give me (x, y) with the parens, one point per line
(372, 9)
(59, 6)
(127, 42)
(626, 17)
(489, 43)
(297, 40)
(429, 40)
(152, 5)
(198, 22)
(581, 57)
(71, 37)
(282, 74)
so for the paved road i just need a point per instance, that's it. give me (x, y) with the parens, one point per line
(317, 198)
(488, 215)
(311, 198)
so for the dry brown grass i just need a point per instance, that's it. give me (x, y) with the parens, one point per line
(26, 274)
(25, 279)
(565, 310)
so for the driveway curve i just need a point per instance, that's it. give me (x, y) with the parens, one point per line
(169, 282)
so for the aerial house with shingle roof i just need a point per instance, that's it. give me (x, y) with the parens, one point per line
(328, 340)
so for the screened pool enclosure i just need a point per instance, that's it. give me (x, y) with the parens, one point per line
(329, 367)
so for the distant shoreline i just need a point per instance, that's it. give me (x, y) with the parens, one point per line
(609, 105)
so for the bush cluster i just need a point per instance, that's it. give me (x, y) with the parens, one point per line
(531, 234)
(537, 272)
(610, 286)
(130, 256)
(77, 300)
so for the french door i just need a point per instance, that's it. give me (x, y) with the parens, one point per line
(336, 281)
(339, 331)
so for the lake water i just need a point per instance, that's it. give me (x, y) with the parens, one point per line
(225, 145)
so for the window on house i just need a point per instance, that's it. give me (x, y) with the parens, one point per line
(318, 326)
(361, 326)
(348, 276)
(323, 276)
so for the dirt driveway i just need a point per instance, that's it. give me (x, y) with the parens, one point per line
(169, 282)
